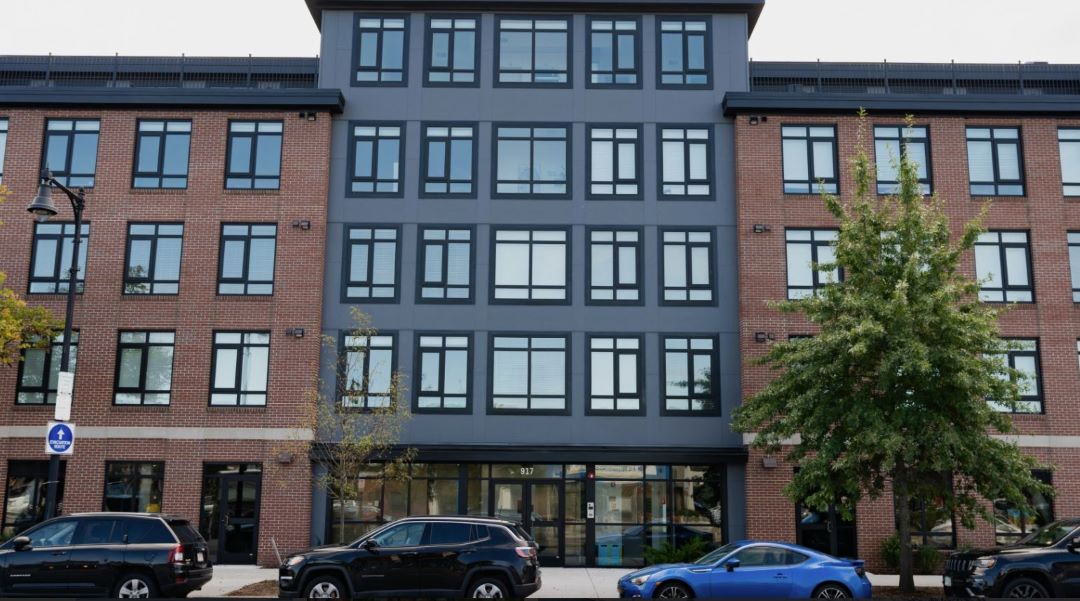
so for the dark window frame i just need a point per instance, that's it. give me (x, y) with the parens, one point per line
(46, 389)
(812, 184)
(1006, 287)
(529, 336)
(532, 182)
(714, 365)
(421, 263)
(1010, 356)
(239, 369)
(1072, 240)
(637, 36)
(707, 71)
(425, 156)
(1069, 189)
(687, 245)
(342, 368)
(251, 174)
(710, 160)
(639, 252)
(901, 141)
(65, 175)
(61, 268)
(134, 479)
(346, 263)
(429, 46)
(244, 280)
(162, 137)
(920, 521)
(998, 182)
(4, 127)
(493, 231)
(418, 351)
(497, 51)
(350, 170)
(150, 280)
(1044, 476)
(640, 360)
(815, 245)
(144, 348)
(355, 52)
(639, 162)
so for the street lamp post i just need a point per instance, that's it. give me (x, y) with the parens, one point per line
(42, 208)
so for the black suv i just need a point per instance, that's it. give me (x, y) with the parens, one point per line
(125, 555)
(1046, 563)
(420, 557)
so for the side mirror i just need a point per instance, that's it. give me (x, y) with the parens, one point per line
(21, 543)
(370, 544)
(731, 564)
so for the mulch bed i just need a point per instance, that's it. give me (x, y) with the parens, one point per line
(892, 592)
(266, 588)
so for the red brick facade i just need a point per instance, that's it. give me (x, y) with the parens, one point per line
(1053, 318)
(194, 313)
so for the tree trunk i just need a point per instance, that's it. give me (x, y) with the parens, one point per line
(341, 524)
(902, 509)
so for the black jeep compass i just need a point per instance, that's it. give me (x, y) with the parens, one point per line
(1046, 563)
(420, 557)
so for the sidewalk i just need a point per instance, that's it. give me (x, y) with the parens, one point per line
(229, 578)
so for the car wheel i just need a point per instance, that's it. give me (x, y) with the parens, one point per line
(672, 590)
(324, 587)
(1024, 588)
(488, 588)
(831, 591)
(134, 586)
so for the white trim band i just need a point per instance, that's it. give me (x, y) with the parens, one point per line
(166, 433)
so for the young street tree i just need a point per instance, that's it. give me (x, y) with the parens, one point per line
(893, 391)
(354, 426)
(21, 326)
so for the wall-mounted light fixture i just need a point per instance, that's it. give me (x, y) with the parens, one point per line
(295, 332)
(761, 228)
(764, 336)
(301, 224)
(756, 119)
(768, 462)
(309, 115)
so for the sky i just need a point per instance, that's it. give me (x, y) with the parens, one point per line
(831, 30)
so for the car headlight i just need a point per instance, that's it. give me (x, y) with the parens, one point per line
(295, 559)
(640, 580)
(985, 562)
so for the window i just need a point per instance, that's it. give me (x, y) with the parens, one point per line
(453, 51)
(371, 264)
(766, 555)
(806, 250)
(614, 52)
(1074, 263)
(254, 160)
(144, 366)
(24, 501)
(71, 150)
(531, 266)
(685, 59)
(690, 365)
(1023, 356)
(529, 373)
(809, 159)
(240, 369)
(687, 266)
(405, 535)
(153, 258)
(161, 154)
(532, 160)
(377, 154)
(890, 143)
(55, 534)
(450, 533)
(533, 51)
(995, 161)
(134, 486)
(447, 259)
(1003, 265)
(247, 259)
(616, 371)
(380, 50)
(443, 363)
(3, 145)
(1068, 149)
(39, 370)
(932, 524)
(614, 161)
(1011, 523)
(51, 264)
(685, 162)
(614, 270)
(367, 370)
(449, 161)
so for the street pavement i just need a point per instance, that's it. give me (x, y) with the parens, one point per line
(564, 583)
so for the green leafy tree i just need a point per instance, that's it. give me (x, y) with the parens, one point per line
(21, 326)
(894, 389)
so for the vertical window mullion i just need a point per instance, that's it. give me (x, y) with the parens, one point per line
(144, 363)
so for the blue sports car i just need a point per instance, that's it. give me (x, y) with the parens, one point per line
(748, 569)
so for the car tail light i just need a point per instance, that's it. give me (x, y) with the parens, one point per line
(177, 555)
(860, 571)
(526, 552)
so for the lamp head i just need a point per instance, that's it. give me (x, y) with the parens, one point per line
(42, 207)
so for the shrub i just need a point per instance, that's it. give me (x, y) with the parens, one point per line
(669, 553)
(926, 559)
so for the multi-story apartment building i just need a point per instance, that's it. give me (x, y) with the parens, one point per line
(195, 335)
(1010, 134)
(535, 203)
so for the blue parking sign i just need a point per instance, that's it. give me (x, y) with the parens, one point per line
(60, 439)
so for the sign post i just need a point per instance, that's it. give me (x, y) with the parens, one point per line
(60, 439)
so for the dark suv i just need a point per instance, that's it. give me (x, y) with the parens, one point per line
(125, 555)
(1046, 563)
(420, 557)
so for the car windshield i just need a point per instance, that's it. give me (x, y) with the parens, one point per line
(714, 556)
(1048, 535)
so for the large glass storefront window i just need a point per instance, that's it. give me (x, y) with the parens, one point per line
(24, 500)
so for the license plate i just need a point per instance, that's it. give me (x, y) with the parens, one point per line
(200, 557)
(947, 580)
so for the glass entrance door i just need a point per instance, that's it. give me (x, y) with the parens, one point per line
(537, 506)
(825, 531)
(230, 512)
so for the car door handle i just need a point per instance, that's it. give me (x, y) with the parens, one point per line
(58, 553)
